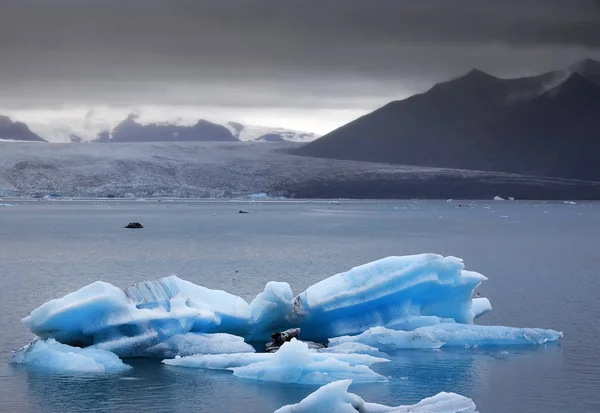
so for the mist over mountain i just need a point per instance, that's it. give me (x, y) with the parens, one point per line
(545, 125)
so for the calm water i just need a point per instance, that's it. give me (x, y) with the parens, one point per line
(542, 259)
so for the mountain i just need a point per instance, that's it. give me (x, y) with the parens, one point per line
(546, 125)
(16, 131)
(130, 130)
(268, 134)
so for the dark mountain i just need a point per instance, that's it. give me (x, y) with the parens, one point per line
(131, 131)
(75, 138)
(17, 131)
(547, 125)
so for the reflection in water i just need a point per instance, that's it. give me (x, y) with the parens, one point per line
(154, 387)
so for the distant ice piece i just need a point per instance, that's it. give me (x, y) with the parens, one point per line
(293, 363)
(450, 335)
(262, 196)
(228, 361)
(498, 198)
(52, 356)
(408, 291)
(334, 397)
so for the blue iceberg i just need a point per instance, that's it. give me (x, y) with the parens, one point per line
(334, 397)
(417, 301)
(51, 356)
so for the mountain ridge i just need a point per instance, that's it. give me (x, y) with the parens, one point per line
(479, 121)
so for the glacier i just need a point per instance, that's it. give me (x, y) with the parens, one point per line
(293, 363)
(334, 397)
(52, 356)
(417, 301)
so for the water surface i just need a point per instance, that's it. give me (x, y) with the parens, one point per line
(542, 260)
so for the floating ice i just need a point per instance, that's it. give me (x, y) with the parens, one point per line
(353, 348)
(228, 361)
(293, 363)
(334, 397)
(450, 335)
(170, 316)
(49, 355)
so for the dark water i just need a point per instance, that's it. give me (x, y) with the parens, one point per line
(542, 259)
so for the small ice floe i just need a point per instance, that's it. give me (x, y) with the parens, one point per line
(334, 397)
(570, 203)
(498, 198)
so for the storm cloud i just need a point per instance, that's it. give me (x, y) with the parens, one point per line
(331, 59)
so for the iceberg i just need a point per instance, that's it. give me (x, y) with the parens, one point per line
(450, 335)
(334, 397)
(293, 363)
(52, 356)
(408, 295)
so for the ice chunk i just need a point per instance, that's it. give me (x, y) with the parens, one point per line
(227, 361)
(270, 310)
(52, 356)
(388, 340)
(293, 363)
(77, 316)
(353, 348)
(196, 343)
(334, 397)
(232, 312)
(387, 292)
(450, 335)
(218, 361)
(142, 316)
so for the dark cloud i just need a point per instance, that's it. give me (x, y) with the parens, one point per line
(290, 53)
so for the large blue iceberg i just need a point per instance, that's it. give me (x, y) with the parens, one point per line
(334, 397)
(419, 301)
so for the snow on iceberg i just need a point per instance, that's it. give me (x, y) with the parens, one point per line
(450, 335)
(228, 361)
(388, 292)
(334, 397)
(52, 356)
(293, 363)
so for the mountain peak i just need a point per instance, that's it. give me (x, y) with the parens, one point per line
(575, 85)
(478, 75)
(586, 65)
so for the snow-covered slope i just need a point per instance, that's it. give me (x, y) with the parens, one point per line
(268, 134)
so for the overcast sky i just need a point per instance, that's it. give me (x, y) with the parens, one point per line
(304, 64)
